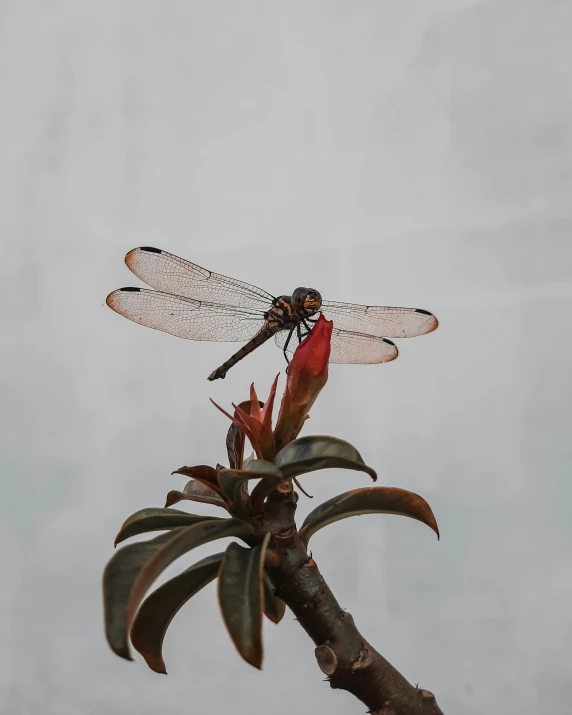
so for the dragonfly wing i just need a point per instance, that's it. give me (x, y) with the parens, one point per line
(350, 347)
(170, 274)
(185, 317)
(378, 320)
(361, 349)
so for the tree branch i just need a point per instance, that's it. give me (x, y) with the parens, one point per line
(342, 653)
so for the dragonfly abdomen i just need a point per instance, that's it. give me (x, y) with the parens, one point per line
(280, 317)
(261, 337)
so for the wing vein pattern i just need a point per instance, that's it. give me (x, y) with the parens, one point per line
(185, 317)
(194, 303)
(170, 274)
(351, 347)
(386, 322)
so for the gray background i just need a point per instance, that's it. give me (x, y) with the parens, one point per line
(409, 153)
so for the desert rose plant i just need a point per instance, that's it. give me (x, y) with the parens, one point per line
(273, 569)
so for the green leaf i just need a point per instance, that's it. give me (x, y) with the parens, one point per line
(255, 469)
(234, 481)
(159, 609)
(235, 490)
(371, 500)
(241, 598)
(262, 490)
(247, 460)
(156, 519)
(308, 454)
(132, 570)
(195, 491)
(274, 607)
(118, 579)
(269, 474)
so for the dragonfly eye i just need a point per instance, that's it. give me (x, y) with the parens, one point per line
(313, 301)
(298, 297)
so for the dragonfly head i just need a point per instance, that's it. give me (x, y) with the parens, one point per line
(306, 301)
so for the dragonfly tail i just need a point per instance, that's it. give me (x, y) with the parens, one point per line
(261, 337)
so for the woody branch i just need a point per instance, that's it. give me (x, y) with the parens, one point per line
(342, 652)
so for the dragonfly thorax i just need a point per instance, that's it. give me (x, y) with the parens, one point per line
(306, 301)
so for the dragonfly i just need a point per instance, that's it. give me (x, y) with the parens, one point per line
(194, 303)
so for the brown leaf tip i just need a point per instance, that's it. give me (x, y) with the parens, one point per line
(156, 664)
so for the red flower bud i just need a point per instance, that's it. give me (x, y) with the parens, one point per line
(307, 375)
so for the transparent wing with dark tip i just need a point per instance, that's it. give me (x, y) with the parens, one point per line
(349, 347)
(170, 274)
(380, 321)
(185, 317)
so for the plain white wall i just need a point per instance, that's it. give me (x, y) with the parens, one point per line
(404, 153)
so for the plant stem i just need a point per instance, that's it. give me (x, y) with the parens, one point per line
(342, 653)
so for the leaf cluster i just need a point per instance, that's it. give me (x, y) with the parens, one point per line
(245, 590)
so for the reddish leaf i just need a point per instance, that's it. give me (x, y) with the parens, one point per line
(202, 473)
(235, 438)
(132, 570)
(241, 598)
(372, 500)
(256, 422)
(159, 609)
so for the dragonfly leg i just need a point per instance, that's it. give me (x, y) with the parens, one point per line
(308, 328)
(286, 345)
